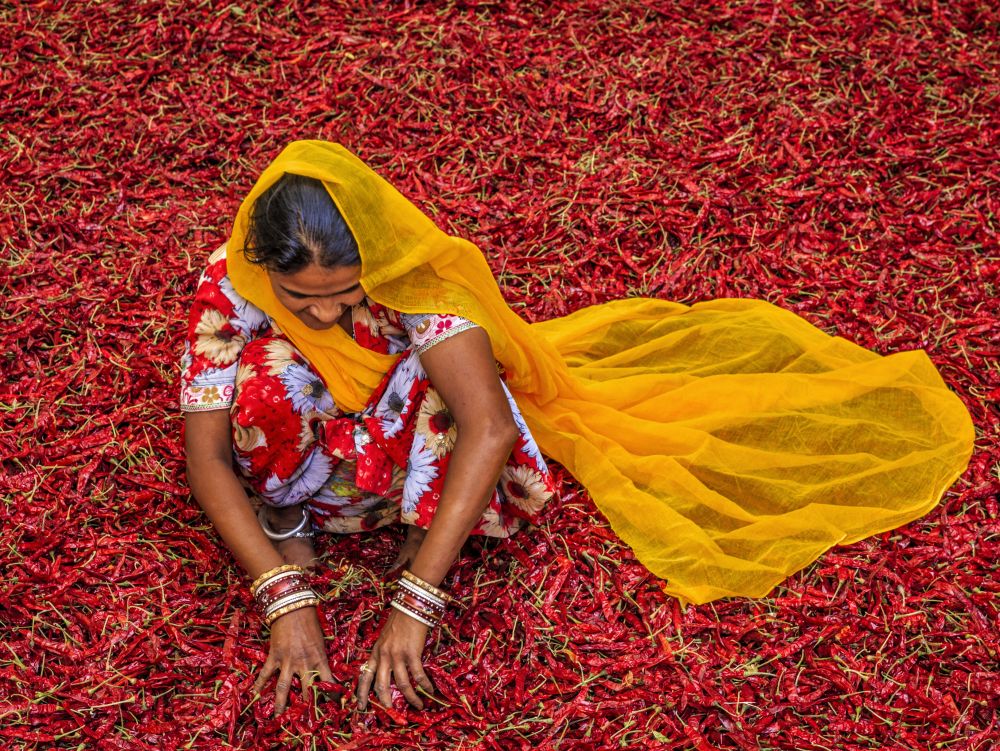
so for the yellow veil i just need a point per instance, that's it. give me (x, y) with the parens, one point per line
(729, 443)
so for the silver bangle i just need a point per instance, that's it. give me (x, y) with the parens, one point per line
(306, 594)
(422, 594)
(298, 531)
(415, 616)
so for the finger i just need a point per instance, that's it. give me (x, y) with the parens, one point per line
(383, 674)
(402, 676)
(265, 673)
(308, 677)
(365, 684)
(325, 674)
(420, 677)
(282, 689)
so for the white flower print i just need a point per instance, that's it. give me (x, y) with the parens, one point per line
(214, 342)
(306, 390)
(244, 372)
(343, 500)
(249, 318)
(436, 425)
(524, 487)
(249, 438)
(396, 398)
(362, 315)
(490, 525)
(307, 480)
(530, 446)
(421, 470)
(307, 437)
(280, 354)
(389, 328)
(213, 377)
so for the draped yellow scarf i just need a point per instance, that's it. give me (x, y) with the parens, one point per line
(729, 443)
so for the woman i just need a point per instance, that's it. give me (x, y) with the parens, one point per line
(250, 395)
(729, 443)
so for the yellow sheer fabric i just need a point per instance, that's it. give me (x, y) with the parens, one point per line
(729, 443)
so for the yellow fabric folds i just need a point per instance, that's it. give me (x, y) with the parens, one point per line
(729, 443)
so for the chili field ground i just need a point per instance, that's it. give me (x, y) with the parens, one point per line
(837, 158)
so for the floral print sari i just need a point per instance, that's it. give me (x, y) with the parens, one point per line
(356, 471)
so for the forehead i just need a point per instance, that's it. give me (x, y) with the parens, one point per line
(318, 280)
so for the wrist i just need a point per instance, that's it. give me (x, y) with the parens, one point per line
(282, 590)
(420, 601)
(297, 616)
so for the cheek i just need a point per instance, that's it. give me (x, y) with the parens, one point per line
(292, 304)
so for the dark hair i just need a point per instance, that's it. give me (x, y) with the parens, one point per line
(295, 223)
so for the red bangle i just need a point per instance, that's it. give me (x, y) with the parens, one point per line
(271, 598)
(430, 607)
(413, 604)
(282, 587)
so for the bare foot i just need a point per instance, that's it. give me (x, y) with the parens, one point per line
(414, 537)
(297, 550)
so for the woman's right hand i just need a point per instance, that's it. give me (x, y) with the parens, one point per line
(297, 648)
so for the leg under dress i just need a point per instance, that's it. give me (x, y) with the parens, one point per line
(360, 471)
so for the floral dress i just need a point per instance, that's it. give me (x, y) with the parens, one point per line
(354, 471)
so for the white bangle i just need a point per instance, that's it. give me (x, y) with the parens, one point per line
(289, 599)
(415, 616)
(418, 591)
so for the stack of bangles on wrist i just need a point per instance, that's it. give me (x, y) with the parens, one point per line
(420, 600)
(282, 590)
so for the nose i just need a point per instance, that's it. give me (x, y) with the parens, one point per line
(326, 312)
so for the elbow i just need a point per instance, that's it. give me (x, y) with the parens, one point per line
(496, 430)
(510, 432)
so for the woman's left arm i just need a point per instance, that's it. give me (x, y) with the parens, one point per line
(463, 372)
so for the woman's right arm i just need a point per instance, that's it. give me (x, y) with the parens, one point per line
(208, 447)
(297, 646)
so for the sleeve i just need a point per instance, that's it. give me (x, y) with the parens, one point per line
(219, 326)
(427, 329)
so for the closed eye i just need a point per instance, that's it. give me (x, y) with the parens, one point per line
(301, 296)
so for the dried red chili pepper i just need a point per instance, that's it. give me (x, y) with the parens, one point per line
(593, 155)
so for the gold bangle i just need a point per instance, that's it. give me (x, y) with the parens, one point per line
(305, 594)
(414, 579)
(312, 602)
(273, 572)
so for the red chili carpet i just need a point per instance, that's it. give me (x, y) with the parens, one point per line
(837, 158)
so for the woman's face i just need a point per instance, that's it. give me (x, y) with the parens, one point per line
(318, 296)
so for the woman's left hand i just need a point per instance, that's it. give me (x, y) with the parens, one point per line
(396, 658)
